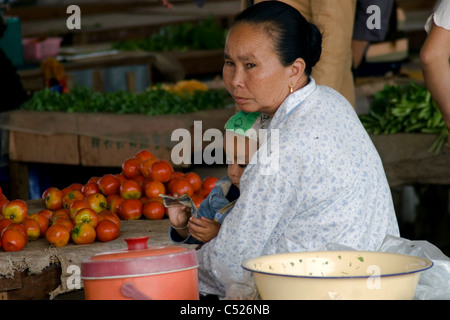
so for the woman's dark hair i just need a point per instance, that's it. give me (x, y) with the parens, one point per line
(293, 36)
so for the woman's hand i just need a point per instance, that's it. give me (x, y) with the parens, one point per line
(203, 229)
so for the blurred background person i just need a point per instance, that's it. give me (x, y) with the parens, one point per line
(434, 57)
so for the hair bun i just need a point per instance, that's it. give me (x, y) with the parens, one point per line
(316, 44)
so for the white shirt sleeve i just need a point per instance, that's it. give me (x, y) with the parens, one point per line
(440, 17)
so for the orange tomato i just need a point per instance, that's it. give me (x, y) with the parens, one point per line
(209, 183)
(42, 220)
(77, 205)
(32, 228)
(83, 233)
(181, 186)
(90, 188)
(108, 215)
(86, 215)
(154, 188)
(58, 235)
(16, 210)
(146, 167)
(72, 196)
(107, 230)
(131, 168)
(194, 179)
(162, 171)
(52, 198)
(130, 189)
(131, 209)
(153, 210)
(13, 240)
(143, 155)
(109, 184)
(97, 202)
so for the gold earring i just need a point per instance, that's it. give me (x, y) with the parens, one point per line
(291, 89)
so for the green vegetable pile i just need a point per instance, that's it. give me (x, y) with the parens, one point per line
(405, 108)
(206, 35)
(156, 101)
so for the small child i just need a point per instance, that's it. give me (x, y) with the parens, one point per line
(243, 134)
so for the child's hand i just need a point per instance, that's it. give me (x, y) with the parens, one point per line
(179, 216)
(203, 229)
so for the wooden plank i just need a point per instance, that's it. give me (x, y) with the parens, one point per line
(30, 147)
(31, 287)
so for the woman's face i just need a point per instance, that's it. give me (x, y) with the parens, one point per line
(253, 73)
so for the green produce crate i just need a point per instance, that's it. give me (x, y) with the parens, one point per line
(11, 42)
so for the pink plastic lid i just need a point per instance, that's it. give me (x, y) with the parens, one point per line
(139, 260)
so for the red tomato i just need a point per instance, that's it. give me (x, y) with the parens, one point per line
(90, 188)
(97, 202)
(194, 179)
(108, 215)
(83, 233)
(107, 230)
(19, 227)
(131, 168)
(209, 183)
(93, 179)
(146, 167)
(120, 177)
(42, 220)
(131, 209)
(86, 215)
(130, 189)
(46, 213)
(109, 184)
(3, 200)
(58, 235)
(143, 155)
(68, 223)
(13, 240)
(16, 210)
(154, 188)
(153, 210)
(32, 228)
(181, 186)
(61, 213)
(114, 204)
(77, 205)
(52, 198)
(4, 223)
(197, 199)
(162, 171)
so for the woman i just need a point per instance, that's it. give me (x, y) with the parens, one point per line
(320, 179)
(435, 55)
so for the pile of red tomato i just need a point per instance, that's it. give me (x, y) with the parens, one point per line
(83, 213)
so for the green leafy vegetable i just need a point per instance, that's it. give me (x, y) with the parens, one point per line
(408, 109)
(205, 35)
(152, 102)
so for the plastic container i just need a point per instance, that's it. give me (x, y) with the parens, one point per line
(142, 273)
(35, 49)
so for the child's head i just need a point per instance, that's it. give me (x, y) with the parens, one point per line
(244, 132)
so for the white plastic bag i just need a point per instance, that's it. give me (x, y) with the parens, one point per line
(434, 283)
